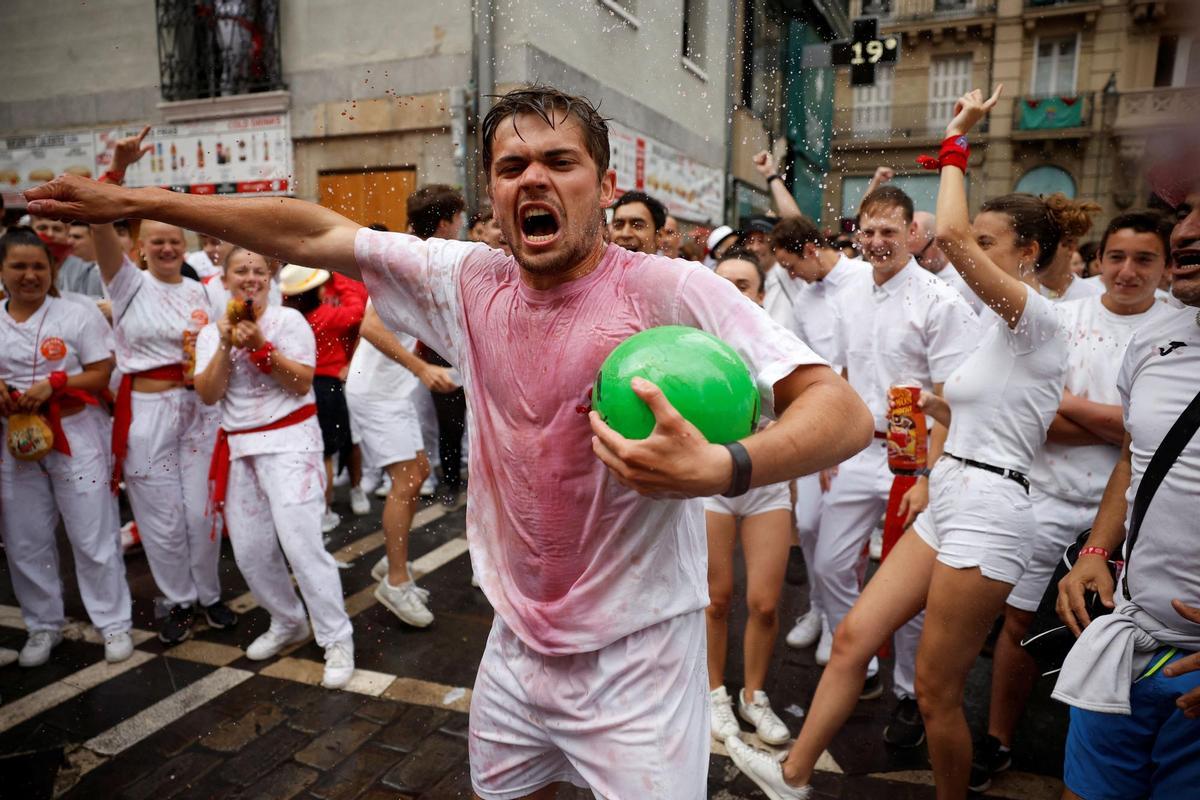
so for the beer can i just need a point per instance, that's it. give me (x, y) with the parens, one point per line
(906, 437)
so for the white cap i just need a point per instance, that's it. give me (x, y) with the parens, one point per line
(719, 235)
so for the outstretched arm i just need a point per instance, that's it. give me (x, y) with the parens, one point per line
(785, 204)
(279, 227)
(109, 254)
(1005, 294)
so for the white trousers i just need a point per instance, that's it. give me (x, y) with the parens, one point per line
(809, 501)
(273, 508)
(33, 497)
(171, 442)
(852, 508)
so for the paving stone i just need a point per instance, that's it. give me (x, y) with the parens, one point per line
(331, 747)
(211, 787)
(350, 778)
(325, 710)
(234, 734)
(457, 784)
(173, 777)
(178, 736)
(381, 711)
(458, 725)
(423, 767)
(284, 783)
(411, 728)
(381, 793)
(263, 755)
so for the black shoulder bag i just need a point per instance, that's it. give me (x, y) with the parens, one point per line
(1048, 640)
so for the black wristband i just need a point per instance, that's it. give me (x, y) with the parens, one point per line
(774, 176)
(741, 470)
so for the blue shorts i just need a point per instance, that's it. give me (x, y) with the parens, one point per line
(1152, 753)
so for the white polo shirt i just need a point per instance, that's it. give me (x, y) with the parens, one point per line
(912, 328)
(812, 308)
(779, 297)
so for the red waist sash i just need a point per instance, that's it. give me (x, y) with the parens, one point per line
(218, 468)
(123, 412)
(66, 399)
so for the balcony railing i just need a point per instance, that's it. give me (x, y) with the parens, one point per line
(1158, 108)
(1049, 3)
(1052, 112)
(902, 10)
(895, 122)
(218, 48)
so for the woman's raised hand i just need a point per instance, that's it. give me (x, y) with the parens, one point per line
(971, 108)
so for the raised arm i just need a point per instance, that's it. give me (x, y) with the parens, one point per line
(109, 255)
(280, 227)
(434, 377)
(1004, 293)
(785, 204)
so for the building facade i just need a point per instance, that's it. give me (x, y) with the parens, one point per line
(1087, 83)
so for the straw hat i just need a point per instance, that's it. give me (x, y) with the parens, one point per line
(295, 279)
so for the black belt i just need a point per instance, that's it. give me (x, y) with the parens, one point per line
(1011, 474)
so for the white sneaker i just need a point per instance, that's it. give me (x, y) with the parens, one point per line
(339, 664)
(385, 486)
(767, 724)
(37, 648)
(407, 601)
(724, 724)
(380, 570)
(117, 647)
(428, 487)
(359, 503)
(875, 550)
(330, 520)
(341, 477)
(765, 771)
(270, 643)
(806, 631)
(825, 646)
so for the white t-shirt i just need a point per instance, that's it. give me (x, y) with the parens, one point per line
(570, 559)
(779, 296)
(1003, 397)
(61, 336)
(375, 378)
(199, 261)
(912, 328)
(152, 318)
(1077, 289)
(814, 316)
(254, 399)
(952, 277)
(1158, 379)
(1096, 340)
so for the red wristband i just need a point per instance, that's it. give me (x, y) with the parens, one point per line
(58, 381)
(954, 153)
(261, 357)
(112, 177)
(1094, 551)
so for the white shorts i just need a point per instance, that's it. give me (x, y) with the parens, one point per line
(758, 500)
(627, 721)
(979, 519)
(1059, 522)
(388, 433)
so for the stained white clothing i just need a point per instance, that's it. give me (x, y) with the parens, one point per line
(273, 510)
(528, 358)
(1096, 340)
(204, 266)
(254, 399)
(1077, 289)
(151, 318)
(34, 496)
(627, 721)
(1003, 397)
(62, 335)
(759, 500)
(171, 440)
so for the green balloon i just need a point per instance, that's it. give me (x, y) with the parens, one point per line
(705, 379)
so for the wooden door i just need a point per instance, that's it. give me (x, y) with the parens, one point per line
(369, 196)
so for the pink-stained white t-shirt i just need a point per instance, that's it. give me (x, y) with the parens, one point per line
(570, 559)
(254, 399)
(61, 336)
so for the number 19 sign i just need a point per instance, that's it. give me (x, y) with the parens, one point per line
(864, 50)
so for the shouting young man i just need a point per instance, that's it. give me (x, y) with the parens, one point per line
(594, 671)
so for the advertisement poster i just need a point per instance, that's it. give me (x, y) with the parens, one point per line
(244, 155)
(691, 191)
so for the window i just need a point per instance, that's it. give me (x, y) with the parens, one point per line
(695, 31)
(1047, 180)
(1178, 62)
(762, 51)
(876, 8)
(1054, 66)
(949, 79)
(953, 5)
(873, 104)
(218, 48)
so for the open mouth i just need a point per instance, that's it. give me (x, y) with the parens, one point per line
(1185, 262)
(539, 224)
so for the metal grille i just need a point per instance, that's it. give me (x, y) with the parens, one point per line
(218, 48)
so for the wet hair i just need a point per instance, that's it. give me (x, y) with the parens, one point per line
(23, 237)
(1033, 220)
(544, 101)
(658, 212)
(1074, 216)
(886, 197)
(430, 205)
(792, 233)
(1139, 221)
(740, 253)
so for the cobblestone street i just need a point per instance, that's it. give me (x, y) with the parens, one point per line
(202, 721)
